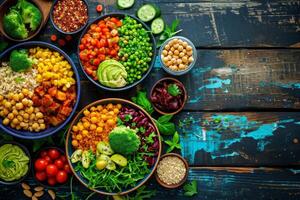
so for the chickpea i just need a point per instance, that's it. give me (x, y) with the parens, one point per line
(75, 128)
(39, 115)
(30, 103)
(176, 46)
(79, 137)
(10, 116)
(180, 48)
(20, 118)
(15, 97)
(40, 121)
(32, 116)
(1, 97)
(184, 44)
(189, 53)
(173, 67)
(26, 116)
(99, 129)
(7, 104)
(15, 112)
(184, 51)
(15, 121)
(191, 59)
(36, 110)
(176, 52)
(13, 125)
(174, 61)
(75, 143)
(35, 126)
(25, 102)
(5, 121)
(5, 112)
(42, 126)
(93, 127)
(18, 127)
(30, 110)
(22, 124)
(21, 96)
(25, 91)
(167, 47)
(86, 125)
(169, 63)
(10, 95)
(19, 106)
(178, 61)
(184, 59)
(172, 49)
(165, 52)
(94, 120)
(85, 132)
(189, 48)
(182, 66)
(22, 112)
(165, 59)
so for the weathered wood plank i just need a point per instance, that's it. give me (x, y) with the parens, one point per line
(212, 183)
(230, 80)
(240, 138)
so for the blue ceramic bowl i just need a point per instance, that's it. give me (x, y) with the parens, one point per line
(29, 164)
(70, 149)
(152, 40)
(51, 130)
(61, 31)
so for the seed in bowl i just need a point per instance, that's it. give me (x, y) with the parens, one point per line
(171, 170)
(177, 55)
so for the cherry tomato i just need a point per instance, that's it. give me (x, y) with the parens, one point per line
(48, 159)
(59, 163)
(41, 176)
(40, 164)
(51, 181)
(43, 153)
(99, 8)
(63, 158)
(53, 153)
(51, 170)
(61, 176)
(67, 168)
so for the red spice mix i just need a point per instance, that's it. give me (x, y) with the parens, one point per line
(70, 15)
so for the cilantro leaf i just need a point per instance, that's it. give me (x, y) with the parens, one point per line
(190, 188)
(164, 125)
(174, 143)
(174, 90)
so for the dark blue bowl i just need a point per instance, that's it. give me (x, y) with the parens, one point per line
(51, 130)
(61, 31)
(152, 40)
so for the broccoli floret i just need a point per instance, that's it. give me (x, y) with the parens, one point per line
(13, 25)
(30, 13)
(124, 140)
(19, 60)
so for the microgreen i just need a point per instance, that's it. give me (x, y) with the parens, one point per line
(119, 122)
(164, 125)
(174, 90)
(142, 100)
(169, 32)
(149, 139)
(127, 118)
(190, 189)
(174, 143)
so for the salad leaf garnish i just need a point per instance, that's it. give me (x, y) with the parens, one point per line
(174, 90)
(169, 32)
(149, 139)
(190, 189)
(142, 100)
(174, 143)
(164, 125)
(127, 118)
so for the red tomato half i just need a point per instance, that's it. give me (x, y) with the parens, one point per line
(61, 176)
(41, 176)
(51, 170)
(53, 153)
(40, 164)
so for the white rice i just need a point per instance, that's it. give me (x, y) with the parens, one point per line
(11, 81)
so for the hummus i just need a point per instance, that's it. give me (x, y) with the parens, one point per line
(14, 163)
(112, 74)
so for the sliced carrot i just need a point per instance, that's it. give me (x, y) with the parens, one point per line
(99, 8)
(53, 38)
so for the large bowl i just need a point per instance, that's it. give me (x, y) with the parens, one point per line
(69, 148)
(51, 130)
(29, 164)
(152, 40)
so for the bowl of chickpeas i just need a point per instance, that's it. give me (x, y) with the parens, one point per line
(39, 90)
(178, 55)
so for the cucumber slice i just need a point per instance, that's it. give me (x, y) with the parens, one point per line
(148, 12)
(124, 4)
(157, 26)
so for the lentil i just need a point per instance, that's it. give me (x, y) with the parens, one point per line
(70, 15)
(171, 170)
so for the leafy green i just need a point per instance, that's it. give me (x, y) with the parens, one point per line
(128, 118)
(142, 100)
(149, 139)
(169, 32)
(164, 125)
(142, 194)
(119, 122)
(174, 90)
(174, 143)
(190, 189)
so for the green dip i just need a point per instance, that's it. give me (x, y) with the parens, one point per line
(14, 163)
(112, 74)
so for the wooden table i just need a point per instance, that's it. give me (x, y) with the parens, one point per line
(240, 129)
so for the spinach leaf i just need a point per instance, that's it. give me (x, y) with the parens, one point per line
(164, 125)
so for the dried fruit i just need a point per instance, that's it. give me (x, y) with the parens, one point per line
(27, 193)
(39, 188)
(39, 193)
(25, 186)
(52, 194)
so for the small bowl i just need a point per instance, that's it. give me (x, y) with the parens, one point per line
(184, 91)
(178, 73)
(4, 8)
(185, 176)
(29, 164)
(63, 32)
(45, 184)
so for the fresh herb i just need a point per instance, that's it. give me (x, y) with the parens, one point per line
(174, 90)
(174, 143)
(8, 163)
(119, 122)
(19, 80)
(149, 139)
(190, 189)
(142, 100)
(127, 118)
(142, 194)
(169, 32)
(142, 129)
(164, 125)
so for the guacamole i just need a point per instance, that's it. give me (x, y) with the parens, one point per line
(14, 163)
(112, 74)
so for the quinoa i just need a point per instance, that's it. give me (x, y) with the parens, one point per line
(171, 170)
(15, 81)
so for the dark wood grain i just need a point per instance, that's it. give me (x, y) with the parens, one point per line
(240, 138)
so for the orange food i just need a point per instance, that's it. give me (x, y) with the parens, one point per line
(94, 126)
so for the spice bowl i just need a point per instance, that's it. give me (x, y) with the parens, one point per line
(172, 167)
(177, 55)
(83, 5)
(163, 99)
